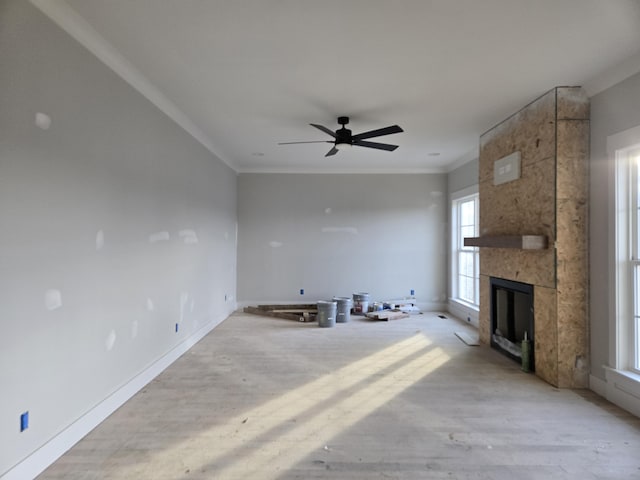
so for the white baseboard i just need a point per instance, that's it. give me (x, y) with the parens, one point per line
(598, 385)
(468, 314)
(623, 389)
(55, 447)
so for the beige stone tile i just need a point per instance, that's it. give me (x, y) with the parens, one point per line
(535, 267)
(573, 103)
(484, 319)
(531, 131)
(546, 334)
(572, 156)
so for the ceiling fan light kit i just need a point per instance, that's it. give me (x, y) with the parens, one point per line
(343, 138)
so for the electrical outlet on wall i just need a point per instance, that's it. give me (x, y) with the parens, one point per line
(506, 169)
(24, 421)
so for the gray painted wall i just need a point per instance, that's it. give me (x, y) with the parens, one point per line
(464, 176)
(116, 225)
(339, 234)
(614, 110)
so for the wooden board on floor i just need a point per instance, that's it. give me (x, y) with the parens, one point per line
(299, 313)
(472, 341)
(386, 315)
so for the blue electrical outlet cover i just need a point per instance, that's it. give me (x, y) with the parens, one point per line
(24, 421)
(176, 327)
(413, 292)
(302, 291)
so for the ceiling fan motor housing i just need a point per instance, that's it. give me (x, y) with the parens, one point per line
(343, 135)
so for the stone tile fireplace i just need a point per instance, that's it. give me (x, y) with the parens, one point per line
(533, 213)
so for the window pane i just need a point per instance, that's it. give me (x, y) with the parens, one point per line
(467, 232)
(466, 289)
(637, 344)
(635, 326)
(465, 259)
(465, 264)
(467, 213)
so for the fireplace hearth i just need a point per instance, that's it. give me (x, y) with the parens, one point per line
(512, 319)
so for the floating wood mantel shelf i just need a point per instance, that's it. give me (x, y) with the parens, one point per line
(523, 242)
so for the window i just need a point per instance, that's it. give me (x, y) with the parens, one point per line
(465, 261)
(633, 159)
(626, 152)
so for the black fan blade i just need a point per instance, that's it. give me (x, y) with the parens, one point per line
(324, 129)
(378, 133)
(333, 151)
(311, 141)
(379, 146)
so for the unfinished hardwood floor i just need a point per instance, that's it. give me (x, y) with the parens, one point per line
(265, 398)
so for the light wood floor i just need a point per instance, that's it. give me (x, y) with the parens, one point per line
(263, 398)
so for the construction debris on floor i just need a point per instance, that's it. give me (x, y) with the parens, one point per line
(471, 340)
(306, 312)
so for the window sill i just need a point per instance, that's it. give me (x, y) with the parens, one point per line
(623, 389)
(464, 304)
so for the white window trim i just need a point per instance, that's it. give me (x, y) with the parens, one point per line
(457, 306)
(622, 385)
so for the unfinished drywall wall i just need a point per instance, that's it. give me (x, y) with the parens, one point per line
(116, 227)
(339, 234)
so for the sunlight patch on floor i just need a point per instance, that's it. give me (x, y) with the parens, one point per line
(274, 436)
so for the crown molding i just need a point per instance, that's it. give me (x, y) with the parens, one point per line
(344, 171)
(616, 74)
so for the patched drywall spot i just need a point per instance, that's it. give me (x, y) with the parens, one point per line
(150, 306)
(350, 230)
(274, 244)
(184, 298)
(159, 237)
(189, 237)
(436, 194)
(327, 211)
(134, 329)
(43, 121)
(52, 299)
(110, 341)
(192, 305)
(99, 240)
(226, 235)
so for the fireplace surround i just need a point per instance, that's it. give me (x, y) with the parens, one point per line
(547, 201)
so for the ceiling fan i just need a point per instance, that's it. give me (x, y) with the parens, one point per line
(344, 139)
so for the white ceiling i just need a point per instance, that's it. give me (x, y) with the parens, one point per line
(243, 75)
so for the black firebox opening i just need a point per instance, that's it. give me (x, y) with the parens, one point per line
(512, 318)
